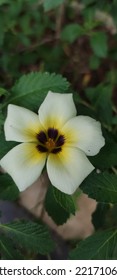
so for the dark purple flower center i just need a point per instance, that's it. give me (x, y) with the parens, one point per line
(50, 141)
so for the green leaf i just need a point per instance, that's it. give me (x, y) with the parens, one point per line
(71, 32)
(101, 245)
(114, 121)
(107, 157)
(7, 250)
(99, 45)
(94, 62)
(102, 187)
(100, 98)
(54, 209)
(5, 146)
(3, 2)
(65, 201)
(31, 89)
(52, 4)
(8, 189)
(99, 216)
(29, 235)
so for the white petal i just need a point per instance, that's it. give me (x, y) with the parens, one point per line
(85, 133)
(67, 169)
(21, 124)
(56, 109)
(24, 164)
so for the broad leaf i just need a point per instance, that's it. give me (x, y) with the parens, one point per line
(54, 209)
(7, 250)
(29, 235)
(101, 99)
(8, 189)
(31, 89)
(102, 245)
(107, 157)
(102, 187)
(5, 146)
(65, 200)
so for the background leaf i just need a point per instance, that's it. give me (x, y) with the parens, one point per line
(71, 32)
(54, 208)
(51, 4)
(5, 146)
(107, 157)
(8, 189)
(101, 98)
(31, 89)
(7, 249)
(29, 235)
(102, 187)
(65, 200)
(102, 245)
(99, 45)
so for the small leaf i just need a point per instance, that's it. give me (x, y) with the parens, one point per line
(102, 187)
(31, 89)
(29, 235)
(52, 4)
(99, 45)
(54, 209)
(71, 32)
(100, 246)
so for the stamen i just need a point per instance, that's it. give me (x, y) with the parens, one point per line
(56, 150)
(52, 133)
(42, 149)
(42, 138)
(60, 141)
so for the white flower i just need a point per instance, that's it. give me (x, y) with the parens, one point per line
(55, 137)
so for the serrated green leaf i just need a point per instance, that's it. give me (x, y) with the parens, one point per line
(31, 89)
(8, 189)
(65, 200)
(54, 209)
(7, 250)
(99, 44)
(101, 245)
(51, 4)
(102, 187)
(29, 235)
(71, 32)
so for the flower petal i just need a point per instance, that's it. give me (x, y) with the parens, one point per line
(21, 124)
(85, 133)
(56, 109)
(67, 169)
(24, 164)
